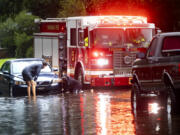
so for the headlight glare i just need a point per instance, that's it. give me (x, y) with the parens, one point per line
(20, 83)
(56, 80)
(102, 62)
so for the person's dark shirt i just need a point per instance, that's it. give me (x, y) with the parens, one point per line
(34, 70)
(71, 84)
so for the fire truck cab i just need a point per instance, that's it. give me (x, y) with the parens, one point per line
(96, 50)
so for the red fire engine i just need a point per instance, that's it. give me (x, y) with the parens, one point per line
(97, 50)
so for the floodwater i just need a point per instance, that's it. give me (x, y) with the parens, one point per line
(92, 112)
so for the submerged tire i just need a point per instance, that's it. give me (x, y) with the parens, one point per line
(172, 100)
(135, 97)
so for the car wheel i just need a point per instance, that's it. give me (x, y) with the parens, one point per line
(172, 101)
(135, 97)
(133, 101)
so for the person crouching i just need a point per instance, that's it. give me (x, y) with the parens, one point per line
(70, 84)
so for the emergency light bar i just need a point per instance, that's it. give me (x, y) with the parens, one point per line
(90, 20)
(123, 19)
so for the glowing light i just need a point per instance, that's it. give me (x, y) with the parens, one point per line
(102, 62)
(90, 20)
(95, 54)
(153, 108)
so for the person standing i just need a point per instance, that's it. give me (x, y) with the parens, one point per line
(30, 75)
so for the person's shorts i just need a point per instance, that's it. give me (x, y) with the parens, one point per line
(27, 76)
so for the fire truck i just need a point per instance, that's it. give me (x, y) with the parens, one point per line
(96, 50)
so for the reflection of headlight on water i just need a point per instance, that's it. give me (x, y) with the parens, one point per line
(102, 62)
(153, 108)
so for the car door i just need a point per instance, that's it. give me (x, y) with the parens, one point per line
(5, 77)
(158, 66)
(167, 59)
(147, 71)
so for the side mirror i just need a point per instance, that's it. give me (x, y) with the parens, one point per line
(158, 30)
(140, 55)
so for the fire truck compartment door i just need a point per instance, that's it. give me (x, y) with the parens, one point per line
(47, 48)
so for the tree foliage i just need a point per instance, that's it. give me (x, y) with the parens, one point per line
(43, 8)
(72, 8)
(164, 13)
(7, 35)
(23, 35)
(10, 8)
(17, 34)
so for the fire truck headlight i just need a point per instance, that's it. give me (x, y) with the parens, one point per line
(102, 62)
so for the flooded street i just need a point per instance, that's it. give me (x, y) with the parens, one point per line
(92, 112)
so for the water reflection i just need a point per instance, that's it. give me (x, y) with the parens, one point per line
(153, 118)
(153, 108)
(113, 115)
(92, 112)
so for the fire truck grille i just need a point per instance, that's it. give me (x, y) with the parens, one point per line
(123, 59)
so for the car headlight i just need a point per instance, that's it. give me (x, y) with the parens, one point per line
(102, 62)
(56, 80)
(20, 82)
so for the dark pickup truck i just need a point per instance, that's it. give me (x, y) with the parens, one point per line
(158, 71)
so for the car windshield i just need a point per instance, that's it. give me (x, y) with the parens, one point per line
(139, 37)
(118, 37)
(17, 67)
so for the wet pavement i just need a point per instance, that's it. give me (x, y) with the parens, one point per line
(92, 112)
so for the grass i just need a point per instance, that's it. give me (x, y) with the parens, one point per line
(4, 60)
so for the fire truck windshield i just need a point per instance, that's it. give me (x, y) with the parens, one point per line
(118, 37)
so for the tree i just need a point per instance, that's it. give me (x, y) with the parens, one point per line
(17, 34)
(72, 8)
(7, 36)
(43, 8)
(24, 33)
(10, 8)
